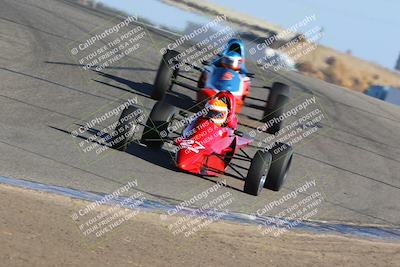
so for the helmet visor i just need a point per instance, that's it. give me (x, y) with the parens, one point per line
(215, 114)
(231, 62)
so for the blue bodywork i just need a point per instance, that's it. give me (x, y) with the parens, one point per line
(385, 93)
(217, 79)
(377, 91)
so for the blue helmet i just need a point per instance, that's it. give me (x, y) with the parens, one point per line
(235, 45)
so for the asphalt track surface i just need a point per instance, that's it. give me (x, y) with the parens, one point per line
(354, 158)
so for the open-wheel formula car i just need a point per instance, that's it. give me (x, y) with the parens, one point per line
(209, 142)
(226, 72)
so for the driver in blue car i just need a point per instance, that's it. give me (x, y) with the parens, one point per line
(232, 54)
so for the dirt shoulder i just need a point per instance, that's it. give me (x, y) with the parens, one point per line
(36, 229)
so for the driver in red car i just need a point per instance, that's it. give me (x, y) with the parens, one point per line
(219, 111)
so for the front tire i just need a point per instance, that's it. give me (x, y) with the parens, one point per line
(156, 129)
(257, 173)
(125, 129)
(167, 71)
(282, 155)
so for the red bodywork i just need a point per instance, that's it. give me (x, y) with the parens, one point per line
(206, 148)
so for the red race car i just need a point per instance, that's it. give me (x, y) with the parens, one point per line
(209, 142)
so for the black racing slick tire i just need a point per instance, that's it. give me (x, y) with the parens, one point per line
(125, 129)
(156, 129)
(277, 99)
(282, 155)
(167, 72)
(257, 174)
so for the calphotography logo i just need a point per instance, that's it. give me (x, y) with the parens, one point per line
(108, 129)
(283, 50)
(94, 221)
(290, 210)
(198, 45)
(213, 205)
(110, 44)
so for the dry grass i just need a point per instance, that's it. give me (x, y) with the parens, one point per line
(346, 70)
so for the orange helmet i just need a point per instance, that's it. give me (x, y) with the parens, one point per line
(217, 111)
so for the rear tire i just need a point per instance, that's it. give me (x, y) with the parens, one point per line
(125, 128)
(156, 129)
(257, 173)
(165, 74)
(282, 155)
(277, 99)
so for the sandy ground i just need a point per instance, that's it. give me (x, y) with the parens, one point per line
(36, 229)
